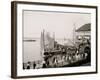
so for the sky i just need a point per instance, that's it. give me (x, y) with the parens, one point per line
(60, 23)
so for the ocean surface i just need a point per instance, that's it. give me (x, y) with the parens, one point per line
(31, 50)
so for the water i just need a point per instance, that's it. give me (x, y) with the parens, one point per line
(31, 50)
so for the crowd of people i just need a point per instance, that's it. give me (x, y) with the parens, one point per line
(58, 60)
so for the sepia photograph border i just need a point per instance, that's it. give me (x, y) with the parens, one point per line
(14, 38)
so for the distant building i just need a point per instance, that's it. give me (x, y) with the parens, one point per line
(83, 33)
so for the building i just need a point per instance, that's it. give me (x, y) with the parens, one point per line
(83, 33)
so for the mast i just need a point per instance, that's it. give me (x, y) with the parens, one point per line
(42, 43)
(74, 34)
(43, 40)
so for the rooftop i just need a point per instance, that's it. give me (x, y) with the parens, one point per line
(85, 27)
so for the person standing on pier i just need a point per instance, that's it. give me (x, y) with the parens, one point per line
(34, 65)
(28, 65)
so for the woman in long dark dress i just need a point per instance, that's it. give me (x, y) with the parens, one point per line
(44, 64)
(28, 65)
(34, 65)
